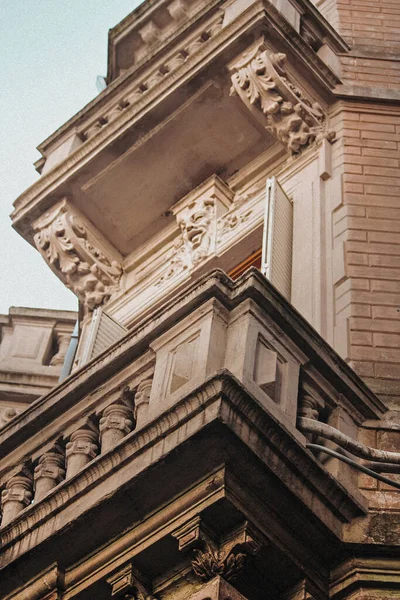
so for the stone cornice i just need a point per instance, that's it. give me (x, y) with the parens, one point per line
(255, 15)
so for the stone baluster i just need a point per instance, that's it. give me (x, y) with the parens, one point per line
(48, 473)
(142, 399)
(309, 408)
(63, 340)
(115, 424)
(17, 495)
(81, 449)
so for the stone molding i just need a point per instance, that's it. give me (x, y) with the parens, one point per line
(128, 352)
(47, 586)
(231, 405)
(71, 249)
(260, 80)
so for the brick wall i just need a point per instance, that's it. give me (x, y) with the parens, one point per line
(372, 29)
(366, 228)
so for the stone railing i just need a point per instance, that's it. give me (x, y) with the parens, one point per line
(83, 434)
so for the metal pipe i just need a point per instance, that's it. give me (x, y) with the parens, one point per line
(347, 443)
(70, 356)
(354, 464)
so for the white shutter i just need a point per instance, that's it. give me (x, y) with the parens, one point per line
(103, 332)
(276, 261)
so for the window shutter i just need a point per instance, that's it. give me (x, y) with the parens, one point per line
(103, 332)
(276, 262)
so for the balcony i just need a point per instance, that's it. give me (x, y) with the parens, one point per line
(161, 441)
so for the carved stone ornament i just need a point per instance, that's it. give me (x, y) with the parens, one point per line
(261, 81)
(196, 225)
(210, 562)
(197, 216)
(64, 242)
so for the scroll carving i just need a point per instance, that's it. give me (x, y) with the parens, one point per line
(261, 81)
(64, 242)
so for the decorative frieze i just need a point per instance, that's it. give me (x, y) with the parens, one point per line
(17, 495)
(260, 80)
(72, 252)
(49, 472)
(81, 449)
(150, 34)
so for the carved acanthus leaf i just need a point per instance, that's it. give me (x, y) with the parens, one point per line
(62, 240)
(210, 562)
(260, 80)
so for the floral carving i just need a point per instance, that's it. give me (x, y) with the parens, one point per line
(209, 563)
(233, 218)
(260, 80)
(62, 240)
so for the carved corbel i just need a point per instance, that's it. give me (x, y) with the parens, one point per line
(129, 584)
(72, 252)
(197, 216)
(260, 80)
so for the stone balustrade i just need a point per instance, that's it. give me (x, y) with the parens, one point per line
(30, 483)
(123, 404)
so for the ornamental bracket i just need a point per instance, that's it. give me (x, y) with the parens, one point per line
(260, 80)
(75, 253)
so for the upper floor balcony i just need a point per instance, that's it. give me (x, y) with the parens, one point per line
(204, 102)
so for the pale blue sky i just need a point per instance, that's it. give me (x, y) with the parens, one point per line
(50, 54)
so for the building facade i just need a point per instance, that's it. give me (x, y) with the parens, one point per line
(226, 213)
